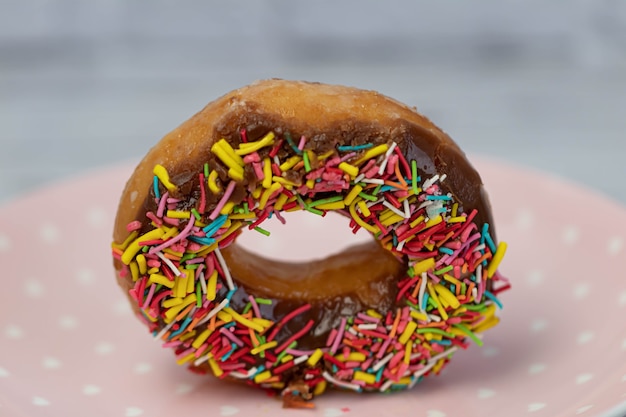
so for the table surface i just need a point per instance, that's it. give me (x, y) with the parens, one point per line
(86, 87)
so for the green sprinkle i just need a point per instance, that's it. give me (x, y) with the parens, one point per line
(436, 331)
(307, 164)
(414, 176)
(326, 200)
(354, 148)
(198, 295)
(411, 272)
(187, 256)
(377, 189)
(444, 270)
(192, 266)
(414, 306)
(367, 196)
(477, 307)
(469, 333)
(206, 170)
(432, 302)
(247, 308)
(246, 210)
(265, 301)
(262, 231)
(195, 214)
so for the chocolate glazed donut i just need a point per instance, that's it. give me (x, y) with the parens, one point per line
(377, 317)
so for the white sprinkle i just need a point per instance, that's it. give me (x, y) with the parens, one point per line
(426, 204)
(85, 276)
(570, 235)
(359, 178)
(485, 393)
(33, 288)
(237, 374)
(386, 385)
(203, 282)
(133, 411)
(229, 278)
(401, 245)
(407, 213)
(434, 317)
(51, 363)
(443, 178)
(585, 337)
(417, 374)
(422, 290)
(367, 326)
(429, 182)
(49, 233)
(536, 368)
(352, 331)
(252, 371)
(169, 264)
(622, 299)
(277, 161)
(475, 294)
(68, 322)
(581, 290)
(382, 362)
(203, 359)
(615, 245)
(164, 330)
(342, 384)
(5, 243)
(104, 348)
(444, 354)
(480, 247)
(395, 210)
(387, 155)
(300, 359)
(377, 181)
(142, 368)
(213, 312)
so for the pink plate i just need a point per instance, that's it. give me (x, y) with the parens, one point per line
(70, 347)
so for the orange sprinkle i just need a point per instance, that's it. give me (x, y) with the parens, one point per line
(394, 328)
(166, 335)
(470, 288)
(117, 251)
(171, 256)
(185, 312)
(255, 341)
(298, 166)
(399, 176)
(482, 258)
(464, 268)
(417, 288)
(445, 239)
(194, 322)
(396, 185)
(212, 322)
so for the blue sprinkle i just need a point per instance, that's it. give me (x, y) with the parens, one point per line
(484, 233)
(425, 302)
(493, 298)
(444, 342)
(155, 182)
(447, 251)
(230, 293)
(292, 144)
(233, 347)
(182, 328)
(438, 197)
(490, 243)
(228, 325)
(379, 374)
(335, 369)
(386, 188)
(395, 240)
(258, 371)
(215, 225)
(354, 148)
(202, 240)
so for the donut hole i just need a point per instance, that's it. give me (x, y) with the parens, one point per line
(303, 237)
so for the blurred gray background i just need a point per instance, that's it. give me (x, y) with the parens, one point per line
(87, 84)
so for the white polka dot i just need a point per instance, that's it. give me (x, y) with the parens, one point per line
(538, 325)
(615, 245)
(40, 402)
(583, 378)
(331, 412)
(228, 410)
(524, 219)
(142, 368)
(624, 344)
(532, 407)
(85, 276)
(536, 368)
(5, 243)
(122, 308)
(49, 233)
(622, 299)
(485, 393)
(68, 322)
(581, 290)
(570, 235)
(96, 217)
(585, 337)
(624, 378)
(4, 373)
(104, 348)
(435, 413)
(13, 332)
(133, 411)
(50, 363)
(90, 389)
(490, 352)
(535, 278)
(33, 288)
(133, 196)
(584, 409)
(183, 389)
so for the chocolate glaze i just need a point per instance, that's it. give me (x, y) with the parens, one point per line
(418, 143)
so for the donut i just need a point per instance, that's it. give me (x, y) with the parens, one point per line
(377, 317)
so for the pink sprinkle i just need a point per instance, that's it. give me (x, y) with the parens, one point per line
(391, 164)
(146, 302)
(231, 336)
(201, 350)
(339, 336)
(223, 200)
(232, 366)
(331, 337)
(175, 343)
(255, 306)
(258, 170)
(297, 352)
(134, 225)
(162, 202)
(383, 349)
(280, 217)
(302, 142)
(171, 222)
(347, 156)
(158, 222)
(173, 240)
(185, 353)
(195, 260)
(250, 158)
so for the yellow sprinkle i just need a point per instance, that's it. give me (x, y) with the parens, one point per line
(215, 189)
(486, 325)
(240, 319)
(374, 313)
(430, 246)
(407, 353)
(217, 371)
(447, 295)
(451, 279)
(242, 216)
(267, 194)
(364, 209)
(191, 280)
(223, 155)
(160, 279)
(263, 347)
(126, 242)
(423, 266)
(141, 262)
(286, 358)
(290, 163)
(283, 181)
(408, 331)
(352, 357)
(262, 376)
(173, 312)
(434, 221)
(349, 169)
(257, 193)
(267, 173)
(201, 338)
(173, 252)
(133, 248)
(236, 174)
(365, 377)
(164, 177)
(457, 332)
(405, 381)
(417, 221)
(315, 357)
(262, 322)
(455, 208)
(211, 286)
(228, 208)
(497, 258)
(232, 229)
(223, 143)
(187, 335)
(171, 302)
(360, 221)
(433, 295)
(134, 271)
(372, 153)
(325, 155)
(438, 366)
(147, 313)
(169, 232)
(352, 194)
(180, 286)
(186, 359)
(224, 316)
(280, 202)
(337, 205)
(393, 219)
(310, 184)
(459, 219)
(175, 214)
(152, 270)
(418, 316)
(251, 147)
(319, 388)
